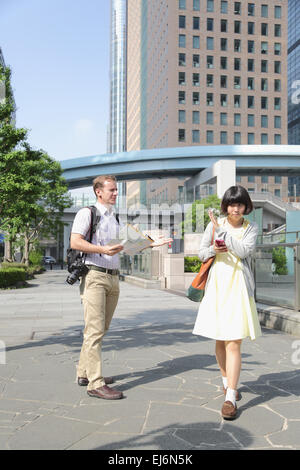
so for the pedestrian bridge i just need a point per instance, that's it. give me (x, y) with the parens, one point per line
(182, 161)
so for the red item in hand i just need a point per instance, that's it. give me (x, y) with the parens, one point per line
(220, 242)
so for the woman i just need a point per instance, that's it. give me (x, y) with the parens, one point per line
(227, 312)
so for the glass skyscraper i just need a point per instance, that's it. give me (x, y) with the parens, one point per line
(294, 72)
(117, 128)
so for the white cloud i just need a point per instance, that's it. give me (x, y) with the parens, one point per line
(83, 125)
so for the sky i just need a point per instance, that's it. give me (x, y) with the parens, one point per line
(58, 51)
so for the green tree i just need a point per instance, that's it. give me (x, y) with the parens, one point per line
(33, 192)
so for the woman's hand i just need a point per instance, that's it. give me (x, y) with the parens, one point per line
(213, 218)
(220, 249)
(161, 241)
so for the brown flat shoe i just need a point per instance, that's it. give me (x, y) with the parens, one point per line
(106, 393)
(238, 396)
(83, 381)
(229, 410)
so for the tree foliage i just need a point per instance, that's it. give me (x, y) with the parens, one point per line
(33, 192)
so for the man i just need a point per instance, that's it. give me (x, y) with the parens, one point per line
(99, 288)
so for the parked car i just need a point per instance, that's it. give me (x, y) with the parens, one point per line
(49, 260)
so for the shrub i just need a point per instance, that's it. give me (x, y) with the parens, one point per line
(11, 276)
(192, 264)
(280, 260)
(35, 258)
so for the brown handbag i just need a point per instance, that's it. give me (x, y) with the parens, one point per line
(196, 290)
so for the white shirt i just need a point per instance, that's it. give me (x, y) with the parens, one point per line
(107, 229)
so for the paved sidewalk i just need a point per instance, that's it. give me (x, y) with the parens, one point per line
(172, 386)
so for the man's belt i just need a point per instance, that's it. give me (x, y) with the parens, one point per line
(113, 272)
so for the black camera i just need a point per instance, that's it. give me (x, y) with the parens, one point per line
(76, 266)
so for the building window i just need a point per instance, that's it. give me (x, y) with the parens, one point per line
(251, 9)
(277, 122)
(181, 135)
(181, 97)
(277, 192)
(250, 84)
(223, 137)
(181, 21)
(277, 179)
(237, 119)
(209, 43)
(251, 27)
(236, 82)
(277, 66)
(223, 81)
(209, 99)
(196, 97)
(195, 136)
(264, 47)
(264, 29)
(264, 84)
(210, 62)
(196, 60)
(277, 12)
(209, 80)
(223, 119)
(196, 22)
(196, 79)
(237, 45)
(277, 139)
(223, 26)
(237, 8)
(196, 5)
(223, 63)
(237, 63)
(182, 4)
(251, 47)
(277, 48)
(250, 102)
(237, 140)
(264, 11)
(251, 120)
(209, 117)
(209, 24)
(196, 117)
(181, 59)
(277, 30)
(250, 138)
(264, 179)
(209, 137)
(181, 40)
(196, 42)
(251, 179)
(237, 101)
(264, 120)
(223, 44)
(181, 78)
(264, 102)
(250, 65)
(223, 100)
(237, 27)
(224, 6)
(277, 84)
(210, 5)
(181, 115)
(264, 66)
(277, 103)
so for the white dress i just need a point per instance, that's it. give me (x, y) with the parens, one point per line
(226, 311)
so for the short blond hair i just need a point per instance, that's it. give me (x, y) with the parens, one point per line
(100, 180)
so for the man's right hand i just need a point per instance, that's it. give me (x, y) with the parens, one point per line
(111, 250)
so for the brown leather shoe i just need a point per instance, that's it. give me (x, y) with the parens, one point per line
(229, 410)
(238, 396)
(83, 381)
(106, 393)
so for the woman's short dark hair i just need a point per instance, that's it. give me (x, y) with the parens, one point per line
(235, 195)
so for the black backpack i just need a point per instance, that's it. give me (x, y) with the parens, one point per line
(75, 257)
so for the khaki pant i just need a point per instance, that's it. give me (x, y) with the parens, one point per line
(99, 293)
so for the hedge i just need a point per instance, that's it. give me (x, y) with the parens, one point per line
(11, 276)
(192, 264)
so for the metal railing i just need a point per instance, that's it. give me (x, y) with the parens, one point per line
(280, 237)
(276, 268)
